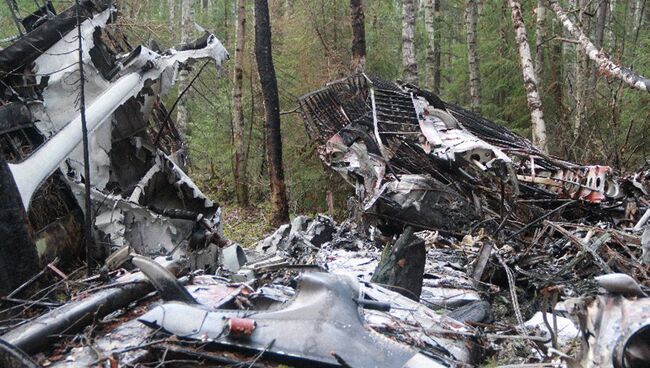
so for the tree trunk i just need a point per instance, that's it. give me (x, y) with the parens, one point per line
(187, 25)
(358, 36)
(638, 17)
(436, 47)
(605, 65)
(252, 117)
(171, 5)
(239, 162)
(269, 84)
(599, 38)
(601, 20)
(431, 27)
(409, 65)
(226, 12)
(530, 79)
(502, 48)
(582, 74)
(540, 34)
(609, 33)
(557, 81)
(431, 35)
(639, 11)
(471, 17)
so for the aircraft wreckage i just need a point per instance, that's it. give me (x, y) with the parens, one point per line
(468, 245)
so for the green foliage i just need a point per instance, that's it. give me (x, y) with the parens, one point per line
(384, 38)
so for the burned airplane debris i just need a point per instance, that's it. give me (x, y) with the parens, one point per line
(133, 177)
(322, 319)
(473, 246)
(392, 141)
(544, 223)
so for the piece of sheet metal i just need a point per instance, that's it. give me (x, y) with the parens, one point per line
(615, 331)
(164, 281)
(322, 321)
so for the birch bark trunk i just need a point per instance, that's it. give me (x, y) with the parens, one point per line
(436, 47)
(410, 72)
(432, 22)
(471, 15)
(540, 35)
(431, 36)
(239, 161)
(605, 65)
(187, 25)
(530, 79)
(582, 74)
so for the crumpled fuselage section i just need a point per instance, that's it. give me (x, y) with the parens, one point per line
(373, 132)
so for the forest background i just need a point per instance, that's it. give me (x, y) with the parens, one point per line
(590, 117)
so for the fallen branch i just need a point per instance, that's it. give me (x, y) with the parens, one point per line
(31, 302)
(586, 248)
(605, 65)
(481, 261)
(491, 336)
(513, 295)
(31, 280)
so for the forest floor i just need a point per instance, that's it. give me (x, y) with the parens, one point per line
(246, 225)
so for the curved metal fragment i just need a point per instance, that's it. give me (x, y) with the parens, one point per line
(620, 283)
(164, 281)
(11, 356)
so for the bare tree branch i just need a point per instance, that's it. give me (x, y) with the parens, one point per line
(606, 66)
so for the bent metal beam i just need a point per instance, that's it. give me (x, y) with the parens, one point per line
(148, 65)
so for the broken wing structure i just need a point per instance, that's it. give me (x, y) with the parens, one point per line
(320, 326)
(141, 197)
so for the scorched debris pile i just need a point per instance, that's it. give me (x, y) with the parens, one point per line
(543, 230)
(141, 198)
(465, 244)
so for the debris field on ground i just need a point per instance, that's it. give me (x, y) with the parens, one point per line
(465, 245)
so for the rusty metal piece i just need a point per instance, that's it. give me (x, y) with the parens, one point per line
(239, 327)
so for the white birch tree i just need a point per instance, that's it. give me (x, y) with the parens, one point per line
(530, 79)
